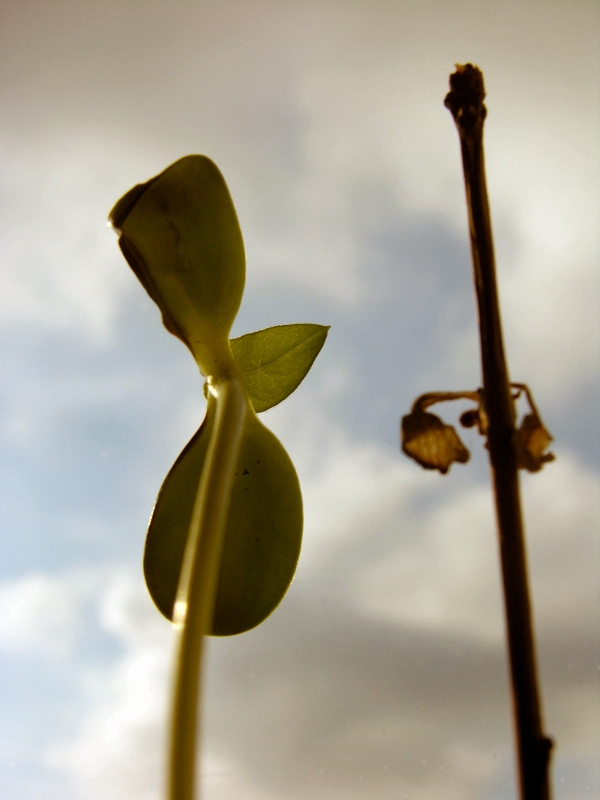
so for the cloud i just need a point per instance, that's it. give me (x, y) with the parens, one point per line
(330, 116)
(422, 548)
(61, 270)
(383, 672)
(442, 571)
(38, 616)
(384, 669)
(120, 695)
(119, 750)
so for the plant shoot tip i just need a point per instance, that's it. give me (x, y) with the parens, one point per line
(465, 98)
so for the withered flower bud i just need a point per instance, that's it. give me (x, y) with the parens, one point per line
(432, 443)
(475, 416)
(531, 440)
(469, 418)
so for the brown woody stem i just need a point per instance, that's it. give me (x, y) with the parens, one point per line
(465, 101)
(431, 398)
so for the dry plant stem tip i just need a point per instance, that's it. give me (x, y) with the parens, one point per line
(198, 583)
(465, 101)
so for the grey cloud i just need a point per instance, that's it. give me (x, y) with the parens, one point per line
(322, 700)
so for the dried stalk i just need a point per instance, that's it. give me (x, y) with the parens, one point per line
(465, 101)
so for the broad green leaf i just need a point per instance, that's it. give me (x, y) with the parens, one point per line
(275, 360)
(181, 237)
(263, 534)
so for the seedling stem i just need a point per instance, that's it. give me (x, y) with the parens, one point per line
(197, 588)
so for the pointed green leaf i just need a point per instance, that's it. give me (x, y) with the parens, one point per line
(263, 534)
(275, 360)
(180, 235)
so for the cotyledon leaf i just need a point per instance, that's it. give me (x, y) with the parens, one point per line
(275, 360)
(263, 533)
(180, 234)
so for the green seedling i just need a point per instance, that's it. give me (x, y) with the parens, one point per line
(225, 534)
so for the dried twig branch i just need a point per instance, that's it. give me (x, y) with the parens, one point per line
(465, 101)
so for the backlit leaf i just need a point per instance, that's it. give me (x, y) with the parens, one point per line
(180, 235)
(263, 533)
(275, 360)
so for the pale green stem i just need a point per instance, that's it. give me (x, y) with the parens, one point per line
(197, 588)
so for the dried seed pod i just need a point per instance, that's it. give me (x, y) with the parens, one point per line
(531, 440)
(475, 416)
(432, 443)
(469, 418)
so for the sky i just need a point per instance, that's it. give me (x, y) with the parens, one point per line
(383, 672)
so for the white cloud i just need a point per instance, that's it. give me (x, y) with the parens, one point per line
(380, 119)
(60, 266)
(445, 572)
(119, 751)
(57, 267)
(433, 557)
(404, 553)
(38, 616)
(359, 113)
(410, 562)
